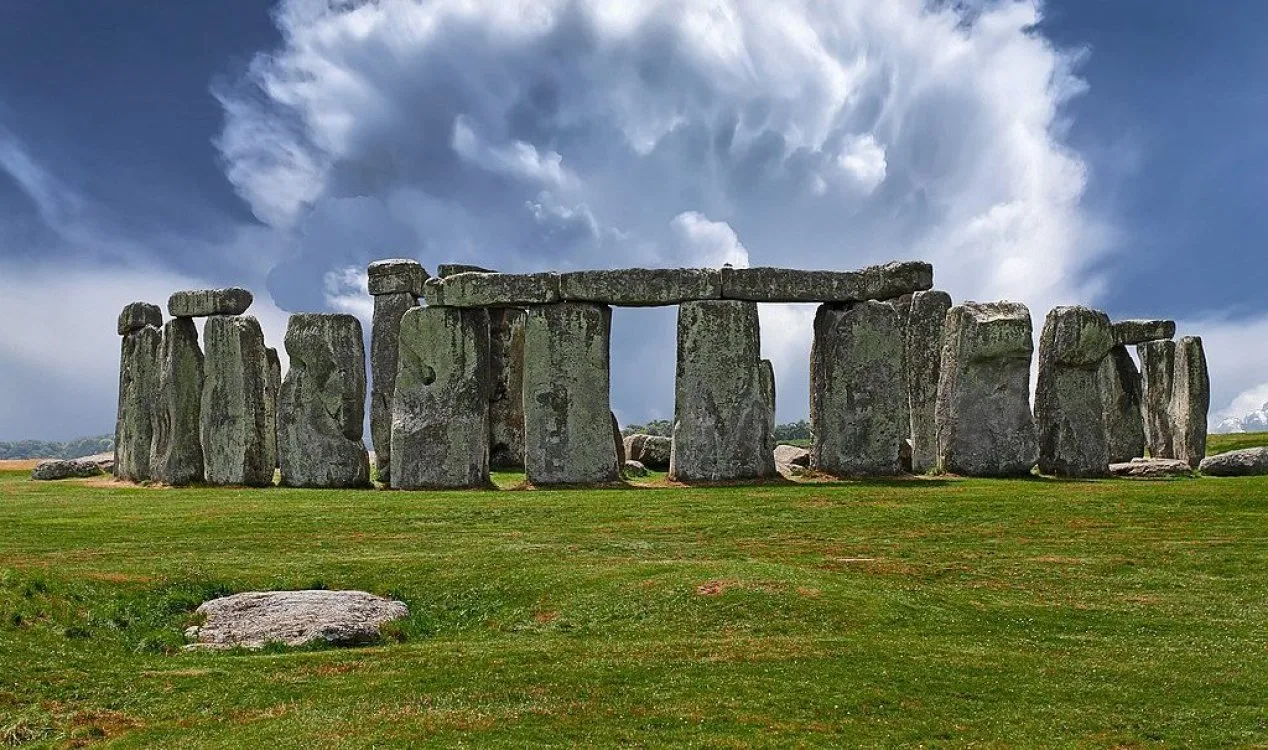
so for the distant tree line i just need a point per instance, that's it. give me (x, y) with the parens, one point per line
(77, 448)
(790, 431)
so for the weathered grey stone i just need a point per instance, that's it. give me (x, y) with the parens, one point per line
(396, 276)
(1190, 401)
(1157, 374)
(791, 454)
(1128, 332)
(983, 419)
(641, 287)
(924, 363)
(856, 390)
(1068, 413)
(767, 374)
(635, 469)
(652, 451)
(618, 442)
(1119, 383)
(321, 405)
(104, 461)
(200, 303)
(1241, 463)
(721, 395)
(452, 269)
(440, 412)
(62, 468)
(273, 387)
(567, 417)
(385, 334)
(138, 395)
(902, 307)
(474, 289)
(795, 285)
(176, 454)
(254, 619)
(506, 390)
(138, 315)
(235, 421)
(1150, 467)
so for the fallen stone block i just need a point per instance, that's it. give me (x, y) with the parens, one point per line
(641, 287)
(201, 303)
(791, 454)
(1131, 332)
(1247, 462)
(58, 468)
(492, 290)
(396, 276)
(254, 619)
(138, 315)
(651, 450)
(1151, 467)
(795, 285)
(1068, 411)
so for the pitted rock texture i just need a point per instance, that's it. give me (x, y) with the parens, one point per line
(256, 618)
(396, 276)
(567, 416)
(1190, 401)
(652, 451)
(321, 405)
(385, 334)
(1119, 383)
(1150, 467)
(200, 303)
(721, 399)
(176, 454)
(440, 412)
(59, 468)
(792, 455)
(984, 424)
(1157, 375)
(475, 289)
(1247, 462)
(1068, 412)
(794, 285)
(506, 388)
(138, 395)
(641, 287)
(1129, 332)
(235, 419)
(138, 315)
(856, 390)
(924, 363)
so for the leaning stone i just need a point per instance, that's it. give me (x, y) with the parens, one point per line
(506, 388)
(255, 619)
(493, 290)
(235, 420)
(983, 419)
(1190, 401)
(59, 468)
(924, 363)
(385, 334)
(1157, 374)
(1129, 332)
(652, 450)
(321, 406)
(856, 390)
(791, 454)
(138, 394)
(567, 417)
(618, 442)
(1241, 463)
(138, 315)
(1150, 467)
(1119, 383)
(641, 287)
(200, 303)
(440, 412)
(635, 469)
(272, 390)
(176, 454)
(794, 285)
(721, 398)
(1068, 413)
(396, 276)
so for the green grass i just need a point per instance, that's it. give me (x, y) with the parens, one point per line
(954, 613)
(1236, 441)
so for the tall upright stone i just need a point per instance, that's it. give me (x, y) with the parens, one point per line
(235, 418)
(722, 395)
(768, 393)
(272, 389)
(321, 405)
(1190, 401)
(176, 454)
(396, 286)
(1157, 375)
(1068, 413)
(139, 325)
(902, 306)
(440, 409)
(983, 419)
(1119, 383)
(924, 362)
(506, 389)
(567, 417)
(857, 390)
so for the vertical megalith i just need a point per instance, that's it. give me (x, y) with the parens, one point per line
(234, 415)
(857, 390)
(983, 420)
(923, 362)
(1119, 383)
(139, 325)
(321, 405)
(902, 306)
(768, 395)
(273, 386)
(567, 419)
(176, 455)
(722, 395)
(1068, 413)
(440, 408)
(1190, 401)
(506, 392)
(1157, 375)
(396, 286)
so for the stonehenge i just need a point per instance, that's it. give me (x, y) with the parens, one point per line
(396, 286)
(1157, 372)
(201, 303)
(139, 325)
(1119, 382)
(176, 454)
(235, 418)
(1068, 410)
(923, 360)
(1190, 401)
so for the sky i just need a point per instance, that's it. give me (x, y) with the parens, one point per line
(1063, 152)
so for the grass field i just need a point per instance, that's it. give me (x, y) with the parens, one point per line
(943, 612)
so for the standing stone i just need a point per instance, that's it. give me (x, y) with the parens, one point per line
(138, 390)
(856, 390)
(768, 392)
(619, 442)
(1068, 412)
(235, 420)
(1119, 382)
(273, 387)
(176, 454)
(506, 392)
(440, 409)
(722, 395)
(567, 417)
(1190, 401)
(385, 333)
(902, 306)
(924, 363)
(321, 405)
(983, 420)
(1157, 374)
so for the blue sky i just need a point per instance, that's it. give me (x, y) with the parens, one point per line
(1109, 153)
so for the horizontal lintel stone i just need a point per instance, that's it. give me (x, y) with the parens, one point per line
(138, 315)
(474, 289)
(641, 287)
(1129, 332)
(396, 275)
(453, 269)
(883, 282)
(201, 303)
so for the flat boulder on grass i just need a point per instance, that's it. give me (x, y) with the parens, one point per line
(1138, 468)
(1247, 462)
(294, 618)
(59, 468)
(792, 455)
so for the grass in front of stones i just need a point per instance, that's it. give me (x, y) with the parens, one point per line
(1106, 613)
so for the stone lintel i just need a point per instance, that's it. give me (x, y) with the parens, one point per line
(641, 287)
(1130, 332)
(396, 275)
(201, 303)
(475, 289)
(883, 282)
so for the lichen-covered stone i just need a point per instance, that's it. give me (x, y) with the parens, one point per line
(1157, 375)
(1145, 468)
(440, 411)
(1119, 383)
(385, 332)
(567, 417)
(635, 469)
(618, 442)
(902, 306)
(1247, 462)
(1190, 401)
(200, 303)
(1128, 332)
(641, 287)
(652, 451)
(794, 285)
(138, 394)
(235, 420)
(321, 406)
(856, 390)
(767, 373)
(452, 269)
(138, 315)
(176, 454)
(923, 361)
(396, 276)
(475, 289)
(254, 619)
(506, 388)
(983, 419)
(1068, 414)
(63, 468)
(273, 387)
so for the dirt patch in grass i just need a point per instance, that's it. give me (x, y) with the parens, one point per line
(713, 588)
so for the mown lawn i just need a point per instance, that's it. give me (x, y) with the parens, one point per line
(943, 612)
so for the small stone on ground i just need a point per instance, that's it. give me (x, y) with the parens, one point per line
(65, 469)
(1247, 462)
(255, 618)
(1151, 467)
